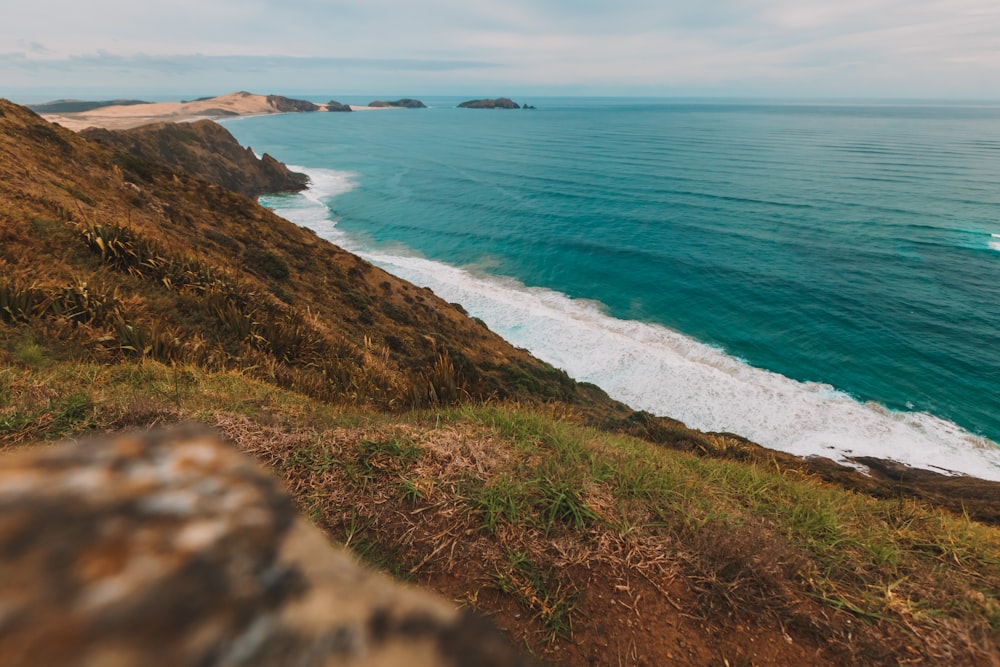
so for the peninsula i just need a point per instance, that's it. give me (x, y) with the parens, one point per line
(125, 114)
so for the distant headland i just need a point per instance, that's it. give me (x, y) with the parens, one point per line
(125, 114)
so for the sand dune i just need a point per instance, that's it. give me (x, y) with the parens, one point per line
(123, 117)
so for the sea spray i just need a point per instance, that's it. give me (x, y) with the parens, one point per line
(653, 368)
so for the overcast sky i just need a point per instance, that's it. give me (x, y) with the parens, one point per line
(787, 48)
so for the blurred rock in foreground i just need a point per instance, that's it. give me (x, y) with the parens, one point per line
(173, 548)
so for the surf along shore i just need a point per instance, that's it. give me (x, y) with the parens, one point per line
(491, 486)
(123, 116)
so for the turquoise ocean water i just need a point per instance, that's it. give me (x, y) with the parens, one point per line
(824, 279)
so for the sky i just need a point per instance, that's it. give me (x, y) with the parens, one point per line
(928, 49)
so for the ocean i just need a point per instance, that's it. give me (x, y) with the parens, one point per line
(823, 279)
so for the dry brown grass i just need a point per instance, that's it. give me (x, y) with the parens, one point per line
(650, 549)
(588, 546)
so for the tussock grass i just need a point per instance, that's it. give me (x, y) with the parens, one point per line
(517, 501)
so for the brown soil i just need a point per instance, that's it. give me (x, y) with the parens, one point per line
(644, 622)
(639, 599)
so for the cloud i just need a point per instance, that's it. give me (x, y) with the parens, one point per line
(902, 47)
(179, 64)
(33, 47)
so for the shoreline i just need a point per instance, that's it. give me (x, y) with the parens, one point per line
(908, 438)
(250, 106)
(877, 476)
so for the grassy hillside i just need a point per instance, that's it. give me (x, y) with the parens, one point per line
(115, 257)
(589, 547)
(209, 150)
(132, 296)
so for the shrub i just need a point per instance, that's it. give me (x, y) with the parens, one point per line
(266, 262)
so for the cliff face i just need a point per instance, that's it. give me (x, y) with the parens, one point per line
(204, 149)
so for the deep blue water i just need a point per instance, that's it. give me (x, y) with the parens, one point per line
(857, 247)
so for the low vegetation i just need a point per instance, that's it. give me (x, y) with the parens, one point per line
(567, 533)
(132, 297)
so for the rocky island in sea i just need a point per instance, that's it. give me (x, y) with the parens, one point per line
(498, 103)
(334, 105)
(403, 103)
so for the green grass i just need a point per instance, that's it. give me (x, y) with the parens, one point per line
(749, 537)
(499, 501)
(848, 551)
(375, 458)
(72, 414)
(314, 459)
(560, 502)
(548, 595)
(26, 351)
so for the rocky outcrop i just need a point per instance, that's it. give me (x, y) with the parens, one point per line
(288, 105)
(173, 548)
(404, 103)
(334, 105)
(207, 150)
(498, 103)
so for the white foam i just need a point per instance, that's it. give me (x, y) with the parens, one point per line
(308, 208)
(995, 243)
(653, 368)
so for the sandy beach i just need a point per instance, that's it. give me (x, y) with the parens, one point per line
(127, 116)
(122, 117)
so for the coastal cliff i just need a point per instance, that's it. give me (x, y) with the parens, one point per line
(204, 149)
(282, 301)
(283, 104)
(135, 294)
